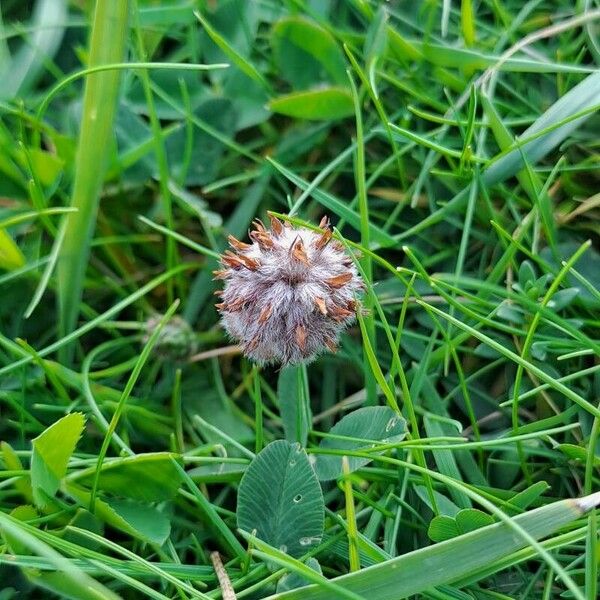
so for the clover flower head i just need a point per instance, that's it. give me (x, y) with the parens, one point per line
(176, 341)
(289, 293)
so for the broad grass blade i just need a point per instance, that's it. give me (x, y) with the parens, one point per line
(448, 561)
(109, 34)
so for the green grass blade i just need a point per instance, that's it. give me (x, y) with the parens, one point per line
(77, 581)
(450, 560)
(107, 45)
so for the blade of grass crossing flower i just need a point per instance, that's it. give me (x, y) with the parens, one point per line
(363, 208)
(389, 389)
(333, 204)
(107, 45)
(375, 369)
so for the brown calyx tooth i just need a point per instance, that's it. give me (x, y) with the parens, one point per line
(301, 337)
(324, 223)
(276, 225)
(259, 225)
(239, 260)
(263, 239)
(339, 280)
(236, 304)
(235, 243)
(220, 273)
(299, 252)
(339, 313)
(331, 345)
(251, 345)
(265, 313)
(321, 305)
(323, 240)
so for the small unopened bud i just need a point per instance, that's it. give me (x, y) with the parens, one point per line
(289, 294)
(176, 340)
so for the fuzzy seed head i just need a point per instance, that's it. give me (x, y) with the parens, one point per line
(288, 294)
(176, 340)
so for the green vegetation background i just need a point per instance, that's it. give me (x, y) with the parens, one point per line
(454, 146)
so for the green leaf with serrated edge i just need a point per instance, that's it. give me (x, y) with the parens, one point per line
(373, 424)
(52, 450)
(281, 500)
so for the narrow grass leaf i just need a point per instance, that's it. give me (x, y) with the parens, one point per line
(78, 585)
(583, 96)
(236, 58)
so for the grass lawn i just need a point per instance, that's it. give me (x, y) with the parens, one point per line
(398, 392)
